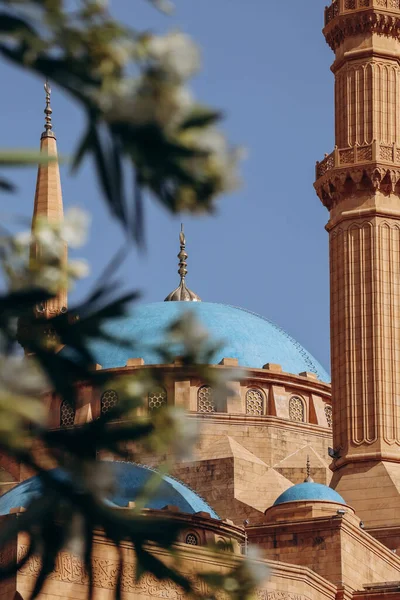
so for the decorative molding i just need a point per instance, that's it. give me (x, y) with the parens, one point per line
(341, 25)
(367, 168)
(69, 569)
(277, 595)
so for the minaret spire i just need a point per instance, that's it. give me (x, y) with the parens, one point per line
(182, 293)
(48, 205)
(308, 478)
(48, 126)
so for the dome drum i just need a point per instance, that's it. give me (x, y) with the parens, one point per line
(200, 529)
(260, 393)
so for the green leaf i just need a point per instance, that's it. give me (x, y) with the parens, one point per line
(22, 158)
(200, 118)
(7, 186)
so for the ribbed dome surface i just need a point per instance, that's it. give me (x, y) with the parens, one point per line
(309, 491)
(252, 339)
(129, 480)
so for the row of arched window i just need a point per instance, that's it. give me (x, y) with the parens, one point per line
(109, 399)
(255, 404)
(193, 539)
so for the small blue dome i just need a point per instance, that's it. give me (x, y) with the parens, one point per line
(129, 481)
(253, 340)
(309, 491)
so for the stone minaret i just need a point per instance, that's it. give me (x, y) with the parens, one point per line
(48, 203)
(48, 207)
(359, 183)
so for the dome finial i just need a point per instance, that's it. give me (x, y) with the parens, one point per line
(48, 126)
(182, 293)
(308, 479)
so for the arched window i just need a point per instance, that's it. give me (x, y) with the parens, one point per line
(205, 400)
(192, 539)
(157, 398)
(254, 402)
(224, 545)
(328, 414)
(108, 401)
(67, 414)
(296, 409)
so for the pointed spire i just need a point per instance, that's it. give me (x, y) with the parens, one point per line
(48, 126)
(182, 293)
(48, 200)
(308, 479)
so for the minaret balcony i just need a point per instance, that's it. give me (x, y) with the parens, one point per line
(347, 18)
(375, 165)
(343, 7)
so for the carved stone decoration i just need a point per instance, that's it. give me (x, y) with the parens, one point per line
(296, 409)
(334, 185)
(157, 398)
(328, 414)
(67, 414)
(69, 569)
(191, 539)
(108, 401)
(205, 400)
(370, 21)
(254, 402)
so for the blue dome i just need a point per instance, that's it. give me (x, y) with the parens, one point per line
(130, 479)
(309, 491)
(253, 340)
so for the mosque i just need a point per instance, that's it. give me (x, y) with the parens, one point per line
(306, 470)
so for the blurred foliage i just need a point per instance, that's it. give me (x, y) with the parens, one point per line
(142, 121)
(141, 115)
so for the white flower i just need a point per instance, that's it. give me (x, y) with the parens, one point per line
(23, 239)
(223, 158)
(122, 51)
(50, 244)
(74, 229)
(135, 388)
(49, 278)
(78, 269)
(183, 431)
(212, 140)
(148, 101)
(175, 53)
(257, 569)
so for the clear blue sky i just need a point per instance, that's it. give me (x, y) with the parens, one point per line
(266, 64)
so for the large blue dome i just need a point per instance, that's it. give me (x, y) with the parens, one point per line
(129, 481)
(252, 339)
(309, 491)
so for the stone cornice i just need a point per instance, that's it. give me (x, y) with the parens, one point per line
(265, 420)
(264, 376)
(367, 213)
(365, 457)
(372, 20)
(369, 168)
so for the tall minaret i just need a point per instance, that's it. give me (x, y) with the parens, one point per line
(48, 202)
(359, 183)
